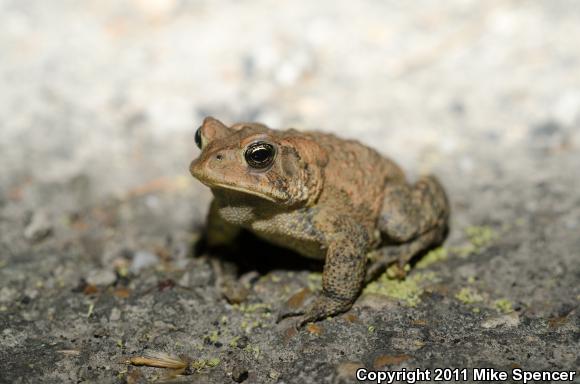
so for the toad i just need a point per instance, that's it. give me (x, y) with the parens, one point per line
(322, 197)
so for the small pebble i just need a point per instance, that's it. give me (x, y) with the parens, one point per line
(508, 320)
(234, 292)
(142, 260)
(101, 277)
(239, 374)
(115, 315)
(39, 227)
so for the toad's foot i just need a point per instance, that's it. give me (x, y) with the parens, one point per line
(322, 307)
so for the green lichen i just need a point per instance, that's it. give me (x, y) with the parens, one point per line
(234, 342)
(122, 271)
(503, 305)
(275, 278)
(394, 271)
(270, 278)
(213, 362)
(121, 375)
(90, 310)
(408, 291)
(253, 308)
(480, 237)
(201, 364)
(253, 314)
(213, 337)
(314, 281)
(254, 350)
(198, 365)
(248, 326)
(435, 256)
(468, 295)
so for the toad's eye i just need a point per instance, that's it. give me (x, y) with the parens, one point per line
(198, 137)
(260, 155)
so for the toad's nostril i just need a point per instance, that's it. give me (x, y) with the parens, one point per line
(193, 168)
(219, 156)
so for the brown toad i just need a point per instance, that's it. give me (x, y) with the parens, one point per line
(321, 196)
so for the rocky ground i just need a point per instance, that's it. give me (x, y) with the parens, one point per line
(98, 214)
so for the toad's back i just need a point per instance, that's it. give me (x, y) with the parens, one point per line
(354, 178)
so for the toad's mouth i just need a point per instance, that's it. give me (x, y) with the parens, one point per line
(216, 187)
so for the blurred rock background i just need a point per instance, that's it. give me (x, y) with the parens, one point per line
(99, 101)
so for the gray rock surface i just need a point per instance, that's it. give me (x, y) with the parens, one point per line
(98, 104)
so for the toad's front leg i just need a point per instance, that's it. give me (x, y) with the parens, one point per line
(342, 276)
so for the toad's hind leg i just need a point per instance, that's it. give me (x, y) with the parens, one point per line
(414, 219)
(402, 254)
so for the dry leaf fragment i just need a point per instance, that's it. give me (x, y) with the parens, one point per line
(158, 360)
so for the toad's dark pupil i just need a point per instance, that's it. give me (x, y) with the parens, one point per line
(198, 138)
(260, 155)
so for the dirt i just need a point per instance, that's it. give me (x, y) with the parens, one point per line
(99, 217)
